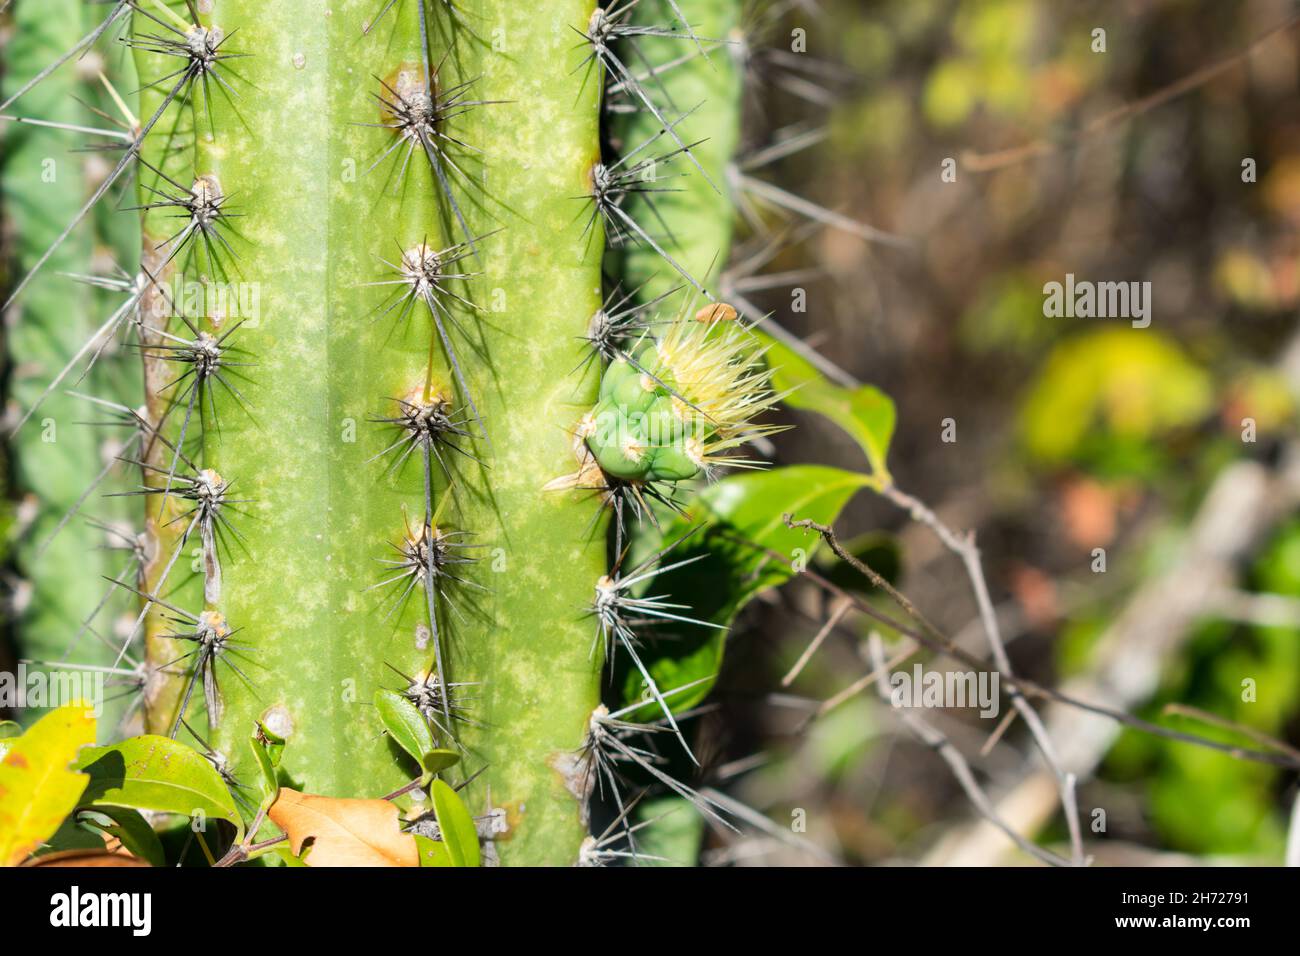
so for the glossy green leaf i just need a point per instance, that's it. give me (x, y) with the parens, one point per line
(72, 834)
(436, 761)
(865, 413)
(408, 728)
(405, 724)
(271, 742)
(159, 774)
(737, 518)
(459, 835)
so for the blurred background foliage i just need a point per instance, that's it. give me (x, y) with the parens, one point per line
(46, 174)
(1072, 434)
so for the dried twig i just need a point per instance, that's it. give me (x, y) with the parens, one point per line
(964, 547)
(938, 741)
(987, 162)
(1245, 501)
(1261, 738)
(945, 645)
(837, 614)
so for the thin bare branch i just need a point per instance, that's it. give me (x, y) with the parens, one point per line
(988, 162)
(937, 740)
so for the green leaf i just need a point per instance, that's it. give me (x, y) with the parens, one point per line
(408, 728)
(1109, 390)
(865, 413)
(270, 741)
(459, 835)
(405, 724)
(72, 834)
(738, 518)
(159, 774)
(288, 857)
(38, 787)
(432, 852)
(436, 761)
(131, 830)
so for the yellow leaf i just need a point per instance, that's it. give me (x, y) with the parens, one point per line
(344, 832)
(1115, 383)
(37, 788)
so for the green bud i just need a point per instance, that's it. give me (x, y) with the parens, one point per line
(671, 463)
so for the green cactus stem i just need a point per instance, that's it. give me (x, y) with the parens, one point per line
(533, 651)
(334, 379)
(695, 218)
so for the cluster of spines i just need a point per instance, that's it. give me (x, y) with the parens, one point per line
(191, 363)
(433, 420)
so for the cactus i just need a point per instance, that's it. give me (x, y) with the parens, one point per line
(346, 368)
(395, 397)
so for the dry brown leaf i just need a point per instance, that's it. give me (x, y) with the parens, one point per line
(344, 832)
